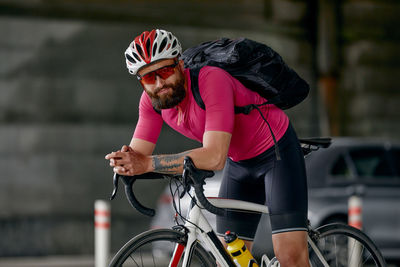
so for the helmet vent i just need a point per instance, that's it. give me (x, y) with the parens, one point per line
(154, 49)
(140, 51)
(148, 45)
(128, 57)
(174, 53)
(136, 56)
(174, 44)
(162, 45)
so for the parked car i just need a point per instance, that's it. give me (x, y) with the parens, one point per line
(370, 168)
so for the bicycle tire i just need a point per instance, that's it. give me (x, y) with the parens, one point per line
(340, 243)
(155, 248)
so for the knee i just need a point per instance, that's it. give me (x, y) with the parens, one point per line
(291, 249)
(292, 257)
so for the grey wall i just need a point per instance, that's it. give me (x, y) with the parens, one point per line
(66, 100)
(370, 68)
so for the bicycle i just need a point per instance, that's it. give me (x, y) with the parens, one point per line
(196, 244)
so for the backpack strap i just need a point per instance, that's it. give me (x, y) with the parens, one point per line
(157, 110)
(194, 82)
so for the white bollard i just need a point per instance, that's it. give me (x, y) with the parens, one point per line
(355, 220)
(102, 232)
(355, 211)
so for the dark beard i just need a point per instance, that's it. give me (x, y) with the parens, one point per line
(170, 100)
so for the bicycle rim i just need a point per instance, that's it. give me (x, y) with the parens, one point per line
(343, 245)
(156, 247)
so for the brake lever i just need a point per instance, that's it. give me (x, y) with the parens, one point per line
(185, 183)
(115, 183)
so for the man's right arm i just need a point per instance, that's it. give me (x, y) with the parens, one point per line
(145, 136)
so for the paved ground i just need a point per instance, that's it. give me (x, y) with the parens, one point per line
(51, 261)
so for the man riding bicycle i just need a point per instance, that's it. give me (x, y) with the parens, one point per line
(242, 145)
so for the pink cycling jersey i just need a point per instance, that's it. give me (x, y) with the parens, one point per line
(220, 93)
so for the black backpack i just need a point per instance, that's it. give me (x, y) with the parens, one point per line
(255, 65)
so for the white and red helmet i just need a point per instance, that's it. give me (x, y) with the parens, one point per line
(150, 47)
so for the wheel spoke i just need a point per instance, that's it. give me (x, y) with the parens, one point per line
(141, 256)
(130, 256)
(154, 261)
(334, 242)
(367, 258)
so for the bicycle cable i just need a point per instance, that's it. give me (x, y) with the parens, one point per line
(178, 210)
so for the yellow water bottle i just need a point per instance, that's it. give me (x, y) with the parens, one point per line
(237, 249)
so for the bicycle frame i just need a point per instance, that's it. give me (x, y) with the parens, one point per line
(200, 229)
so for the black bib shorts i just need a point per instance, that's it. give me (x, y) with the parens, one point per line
(281, 185)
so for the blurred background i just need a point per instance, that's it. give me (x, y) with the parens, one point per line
(67, 99)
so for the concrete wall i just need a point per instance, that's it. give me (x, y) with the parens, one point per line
(66, 99)
(371, 67)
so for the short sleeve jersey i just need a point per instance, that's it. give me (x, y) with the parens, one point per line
(220, 93)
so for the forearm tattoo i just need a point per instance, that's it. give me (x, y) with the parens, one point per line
(168, 164)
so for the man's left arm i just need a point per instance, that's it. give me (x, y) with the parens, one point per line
(211, 156)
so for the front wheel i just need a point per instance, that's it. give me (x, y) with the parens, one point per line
(343, 245)
(156, 247)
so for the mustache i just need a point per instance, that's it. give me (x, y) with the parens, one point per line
(162, 88)
(157, 90)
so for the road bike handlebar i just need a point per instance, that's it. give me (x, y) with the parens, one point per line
(130, 195)
(191, 177)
